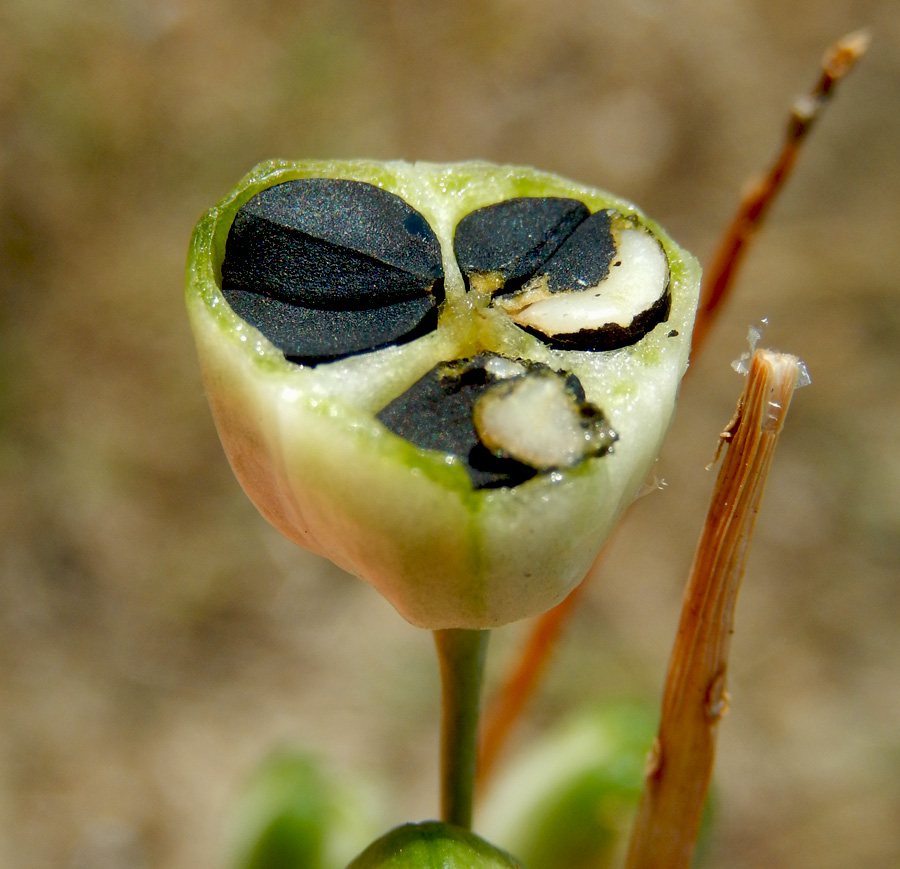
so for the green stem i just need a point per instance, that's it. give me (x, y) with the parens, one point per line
(461, 654)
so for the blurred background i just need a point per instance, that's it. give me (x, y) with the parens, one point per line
(158, 639)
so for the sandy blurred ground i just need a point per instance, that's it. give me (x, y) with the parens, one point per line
(157, 639)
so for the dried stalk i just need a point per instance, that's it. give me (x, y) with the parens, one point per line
(695, 699)
(757, 200)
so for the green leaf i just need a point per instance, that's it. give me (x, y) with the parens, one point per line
(568, 801)
(295, 815)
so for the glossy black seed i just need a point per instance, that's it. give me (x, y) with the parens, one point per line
(435, 413)
(515, 237)
(330, 243)
(311, 335)
(362, 257)
(583, 260)
(283, 265)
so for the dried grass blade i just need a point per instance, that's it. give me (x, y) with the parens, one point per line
(719, 277)
(694, 701)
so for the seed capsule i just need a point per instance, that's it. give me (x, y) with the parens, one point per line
(454, 451)
(433, 844)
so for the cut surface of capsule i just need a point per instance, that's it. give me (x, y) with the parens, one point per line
(448, 379)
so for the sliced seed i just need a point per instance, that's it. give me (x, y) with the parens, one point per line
(606, 287)
(435, 413)
(505, 420)
(539, 420)
(360, 255)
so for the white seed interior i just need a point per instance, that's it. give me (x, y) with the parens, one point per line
(637, 278)
(535, 421)
(504, 368)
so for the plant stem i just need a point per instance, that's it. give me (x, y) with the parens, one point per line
(461, 655)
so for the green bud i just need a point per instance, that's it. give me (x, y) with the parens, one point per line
(432, 845)
(364, 329)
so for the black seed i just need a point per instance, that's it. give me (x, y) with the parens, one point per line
(515, 237)
(584, 259)
(328, 217)
(435, 413)
(575, 389)
(361, 257)
(311, 335)
(275, 262)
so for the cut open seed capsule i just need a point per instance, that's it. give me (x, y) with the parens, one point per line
(489, 358)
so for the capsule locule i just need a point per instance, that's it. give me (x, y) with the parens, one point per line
(504, 419)
(574, 279)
